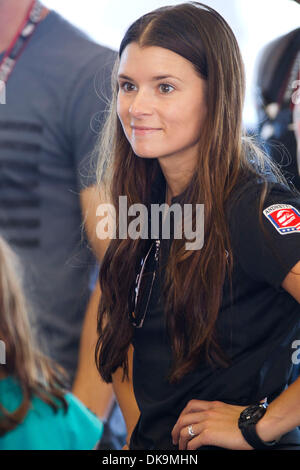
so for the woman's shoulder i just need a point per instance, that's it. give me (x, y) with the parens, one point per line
(249, 190)
(255, 199)
(263, 218)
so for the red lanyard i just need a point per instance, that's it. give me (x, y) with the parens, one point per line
(19, 42)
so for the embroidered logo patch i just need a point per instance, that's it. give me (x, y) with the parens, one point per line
(285, 218)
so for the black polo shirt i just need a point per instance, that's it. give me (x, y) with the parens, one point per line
(256, 331)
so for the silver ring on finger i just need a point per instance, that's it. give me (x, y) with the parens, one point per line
(191, 432)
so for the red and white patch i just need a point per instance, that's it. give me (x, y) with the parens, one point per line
(285, 218)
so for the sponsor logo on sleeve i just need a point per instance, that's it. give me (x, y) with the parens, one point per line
(284, 217)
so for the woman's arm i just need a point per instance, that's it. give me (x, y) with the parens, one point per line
(292, 282)
(216, 423)
(125, 396)
(284, 413)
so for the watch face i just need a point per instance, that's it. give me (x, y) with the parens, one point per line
(252, 415)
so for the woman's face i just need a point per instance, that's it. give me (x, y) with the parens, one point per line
(161, 102)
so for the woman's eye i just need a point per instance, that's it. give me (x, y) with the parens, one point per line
(165, 88)
(127, 86)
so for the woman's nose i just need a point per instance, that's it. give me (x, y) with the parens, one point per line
(141, 104)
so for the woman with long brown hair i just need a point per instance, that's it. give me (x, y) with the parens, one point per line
(36, 412)
(211, 328)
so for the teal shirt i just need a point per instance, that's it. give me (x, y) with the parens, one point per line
(43, 429)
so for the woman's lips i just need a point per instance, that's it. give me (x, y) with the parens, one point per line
(142, 130)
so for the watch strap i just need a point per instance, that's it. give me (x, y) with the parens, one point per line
(251, 436)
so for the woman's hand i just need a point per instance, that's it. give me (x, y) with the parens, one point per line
(214, 424)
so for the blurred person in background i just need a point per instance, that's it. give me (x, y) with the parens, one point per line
(56, 81)
(277, 75)
(36, 411)
(296, 119)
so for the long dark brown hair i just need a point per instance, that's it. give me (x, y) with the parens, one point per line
(193, 279)
(36, 374)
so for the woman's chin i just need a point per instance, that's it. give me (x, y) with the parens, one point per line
(145, 154)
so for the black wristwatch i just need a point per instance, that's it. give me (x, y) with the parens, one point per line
(247, 423)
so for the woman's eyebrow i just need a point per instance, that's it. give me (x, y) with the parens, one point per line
(164, 77)
(156, 78)
(121, 75)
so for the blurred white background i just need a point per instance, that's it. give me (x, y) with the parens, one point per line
(254, 22)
